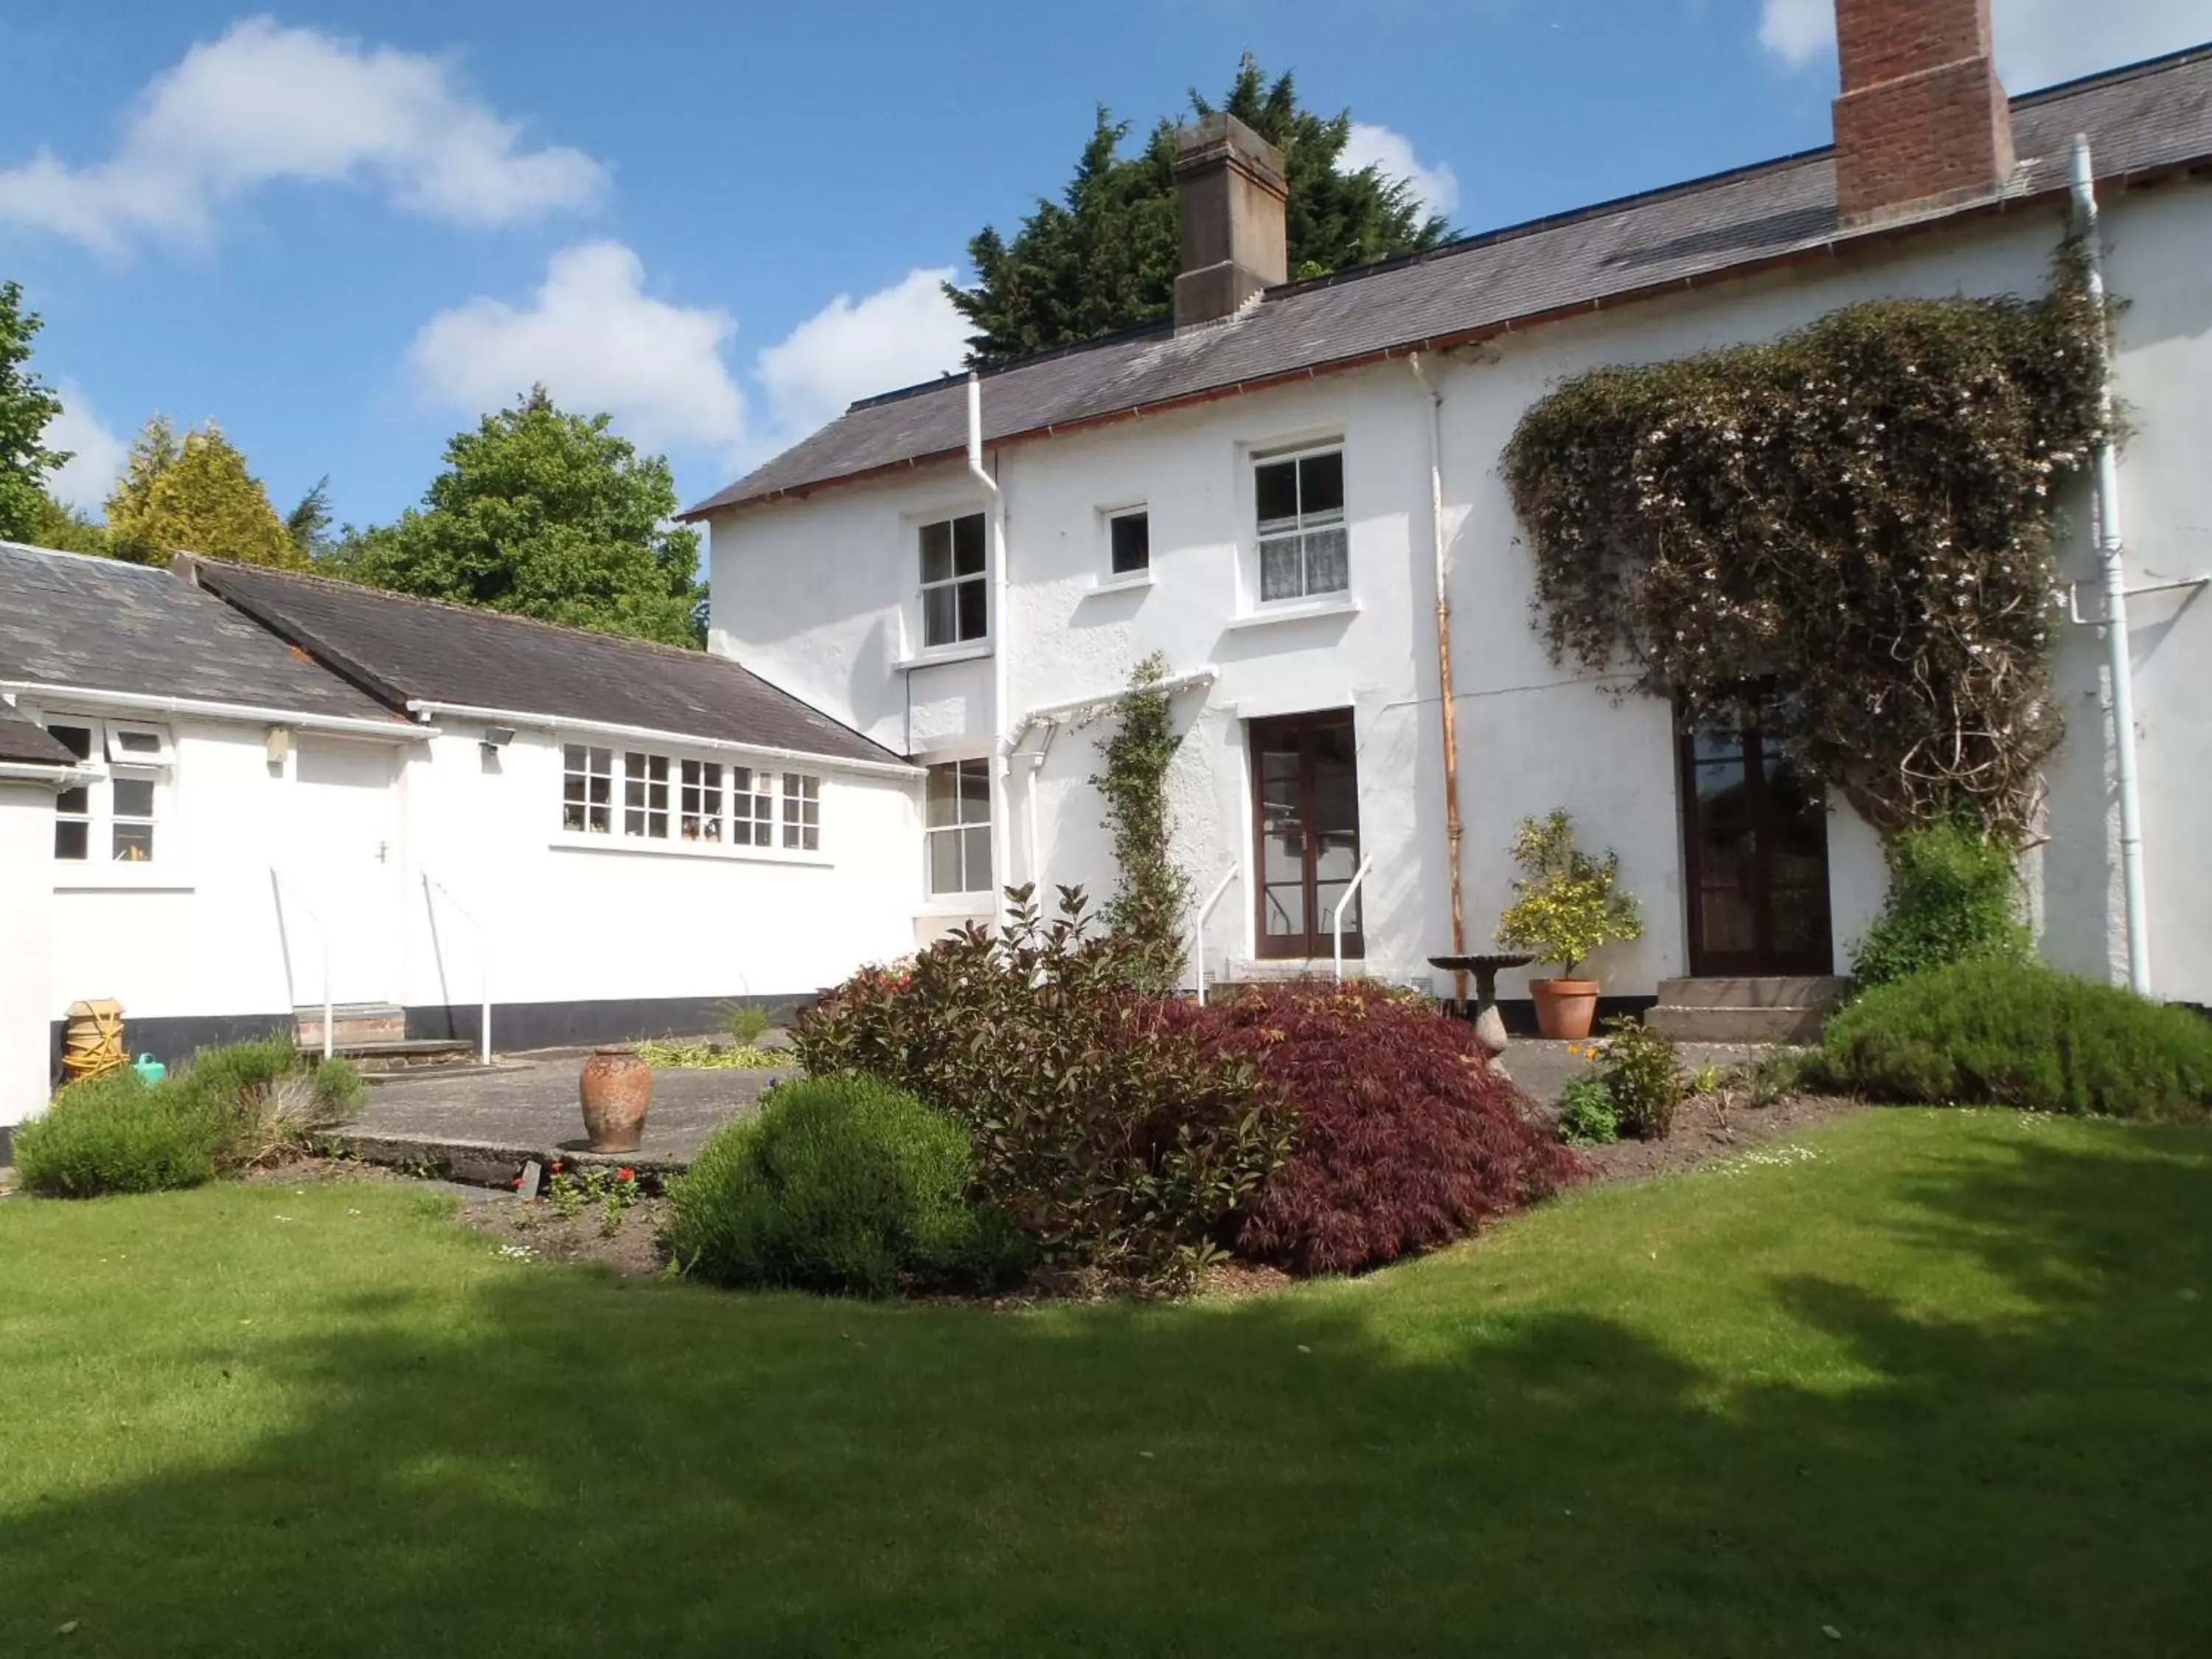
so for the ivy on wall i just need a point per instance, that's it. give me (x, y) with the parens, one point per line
(1153, 894)
(1845, 534)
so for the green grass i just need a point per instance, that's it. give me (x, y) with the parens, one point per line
(1945, 1387)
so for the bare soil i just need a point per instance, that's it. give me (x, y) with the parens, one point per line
(1710, 1127)
(632, 1248)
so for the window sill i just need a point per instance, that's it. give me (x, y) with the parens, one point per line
(71, 876)
(661, 849)
(943, 653)
(956, 905)
(1293, 610)
(1134, 581)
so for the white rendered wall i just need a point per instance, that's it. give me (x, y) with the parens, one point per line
(27, 1000)
(608, 918)
(817, 596)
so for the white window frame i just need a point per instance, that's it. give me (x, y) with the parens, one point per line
(706, 805)
(918, 525)
(961, 829)
(752, 806)
(700, 794)
(802, 812)
(589, 773)
(102, 818)
(1112, 516)
(1301, 527)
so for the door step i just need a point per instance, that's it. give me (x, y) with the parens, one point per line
(1781, 1008)
(408, 1054)
(351, 1025)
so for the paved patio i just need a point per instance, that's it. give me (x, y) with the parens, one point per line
(483, 1125)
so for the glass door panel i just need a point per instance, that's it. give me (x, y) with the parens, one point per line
(1306, 796)
(1756, 836)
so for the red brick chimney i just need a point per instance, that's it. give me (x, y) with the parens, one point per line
(1923, 120)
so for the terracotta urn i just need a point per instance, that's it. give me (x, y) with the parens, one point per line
(1565, 1008)
(617, 1088)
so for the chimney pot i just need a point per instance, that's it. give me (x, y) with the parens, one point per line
(1230, 192)
(1923, 120)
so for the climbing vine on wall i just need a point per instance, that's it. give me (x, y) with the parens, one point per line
(1845, 534)
(1153, 896)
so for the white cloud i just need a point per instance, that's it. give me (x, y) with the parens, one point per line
(267, 103)
(1436, 188)
(96, 454)
(2039, 42)
(598, 342)
(896, 337)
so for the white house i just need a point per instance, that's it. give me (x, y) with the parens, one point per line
(1275, 492)
(255, 791)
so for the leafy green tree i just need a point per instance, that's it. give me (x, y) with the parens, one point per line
(194, 494)
(26, 406)
(1105, 257)
(54, 524)
(546, 514)
(308, 525)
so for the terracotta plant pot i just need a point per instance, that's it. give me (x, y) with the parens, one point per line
(617, 1088)
(1565, 1008)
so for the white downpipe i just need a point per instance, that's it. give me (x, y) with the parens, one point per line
(1001, 755)
(287, 896)
(1198, 930)
(2112, 555)
(1029, 807)
(1336, 924)
(430, 885)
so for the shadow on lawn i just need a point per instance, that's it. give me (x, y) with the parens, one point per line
(597, 1466)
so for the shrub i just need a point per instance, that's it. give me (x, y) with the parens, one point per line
(247, 1105)
(1953, 896)
(2019, 1033)
(1644, 1078)
(1587, 1117)
(1407, 1138)
(841, 1184)
(116, 1134)
(1101, 1129)
(1568, 905)
(745, 1021)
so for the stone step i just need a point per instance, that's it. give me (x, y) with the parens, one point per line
(392, 1054)
(1709, 1024)
(351, 1024)
(1780, 991)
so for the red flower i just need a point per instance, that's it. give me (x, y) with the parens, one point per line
(516, 1183)
(556, 1166)
(625, 1175)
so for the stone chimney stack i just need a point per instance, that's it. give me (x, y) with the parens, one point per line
(1923, 120)
(1230, 191)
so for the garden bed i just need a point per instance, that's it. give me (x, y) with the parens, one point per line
(1707, 1131)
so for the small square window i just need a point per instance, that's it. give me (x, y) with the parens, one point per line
(1130, 538)
(139, 745)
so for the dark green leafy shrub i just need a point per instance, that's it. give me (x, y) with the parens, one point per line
(116, 1134)
(275, 1100)
(1953, 896)
(1106, 1135)
(1587, 1117)
(1644, 1078)
(1407, 1138)
(2019, 1033)
(841, 1184)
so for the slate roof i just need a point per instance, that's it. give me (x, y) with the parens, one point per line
(2153, 117)
(106, 625)
(24, 743)
(404, 648)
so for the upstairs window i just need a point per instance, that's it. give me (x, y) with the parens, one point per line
(114, 817)
(956, 606)
(1304, 548)
(802, 812)
(959, 827)
(1129, 542)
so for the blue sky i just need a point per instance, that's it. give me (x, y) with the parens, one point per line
(343, 230)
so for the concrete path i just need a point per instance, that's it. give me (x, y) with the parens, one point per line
(481, 1126)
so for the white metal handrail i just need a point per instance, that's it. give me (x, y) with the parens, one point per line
(280, 887)
(1336, 926)
(431, 885)
(1198, 932)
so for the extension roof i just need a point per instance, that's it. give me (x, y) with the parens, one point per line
(2151, 119)
(94, 625)
(25, 742)
(403, 649)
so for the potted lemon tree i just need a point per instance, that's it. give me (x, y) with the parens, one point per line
(1568, 906)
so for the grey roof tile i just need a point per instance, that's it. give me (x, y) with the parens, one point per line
(406, 648)
(2152, 117)
(24, 743)
(106, 625)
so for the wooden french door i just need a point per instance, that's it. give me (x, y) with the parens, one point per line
(1305, 795)
(1755, 837)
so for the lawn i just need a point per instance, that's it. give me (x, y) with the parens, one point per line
(1930, 1383)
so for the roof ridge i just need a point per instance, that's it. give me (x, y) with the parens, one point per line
(107, 560)
(1503, 234)
(687, 654)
